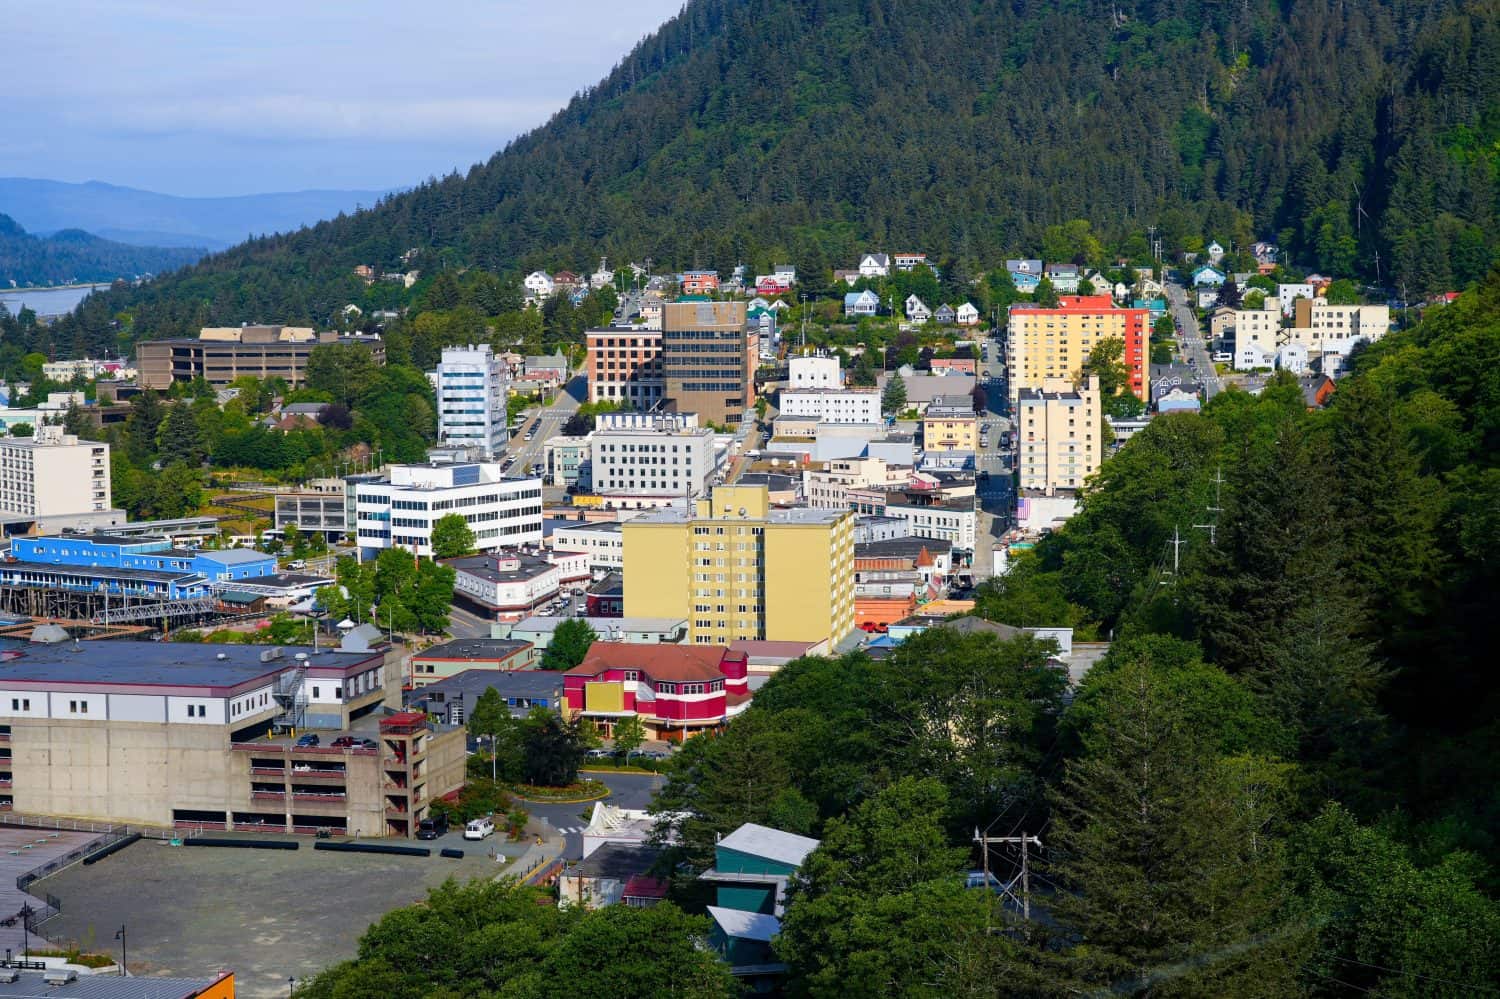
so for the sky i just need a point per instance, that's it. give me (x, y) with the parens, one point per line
(220, 97)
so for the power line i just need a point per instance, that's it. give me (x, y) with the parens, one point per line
(1413, 974)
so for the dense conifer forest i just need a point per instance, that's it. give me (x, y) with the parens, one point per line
(74, 256)
(1360, 136)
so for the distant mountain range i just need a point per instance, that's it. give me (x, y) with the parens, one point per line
(144, 218)
(71, 256)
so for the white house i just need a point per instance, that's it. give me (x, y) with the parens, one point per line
(1064, 278)
(539, 284)
(1205, 277)
(966, 315)
(916, 310)
(861, 303)
(1215, 252)
(602, 276)
(875, 265)
(1293, 357)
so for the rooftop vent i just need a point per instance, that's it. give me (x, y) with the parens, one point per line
(222, 656)
(59, 976)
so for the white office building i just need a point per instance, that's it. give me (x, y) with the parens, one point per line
(603, 542)
(832, 405)
(400, 510)
(53, 474)
(472, 384)
(652, 464)
(814, 373)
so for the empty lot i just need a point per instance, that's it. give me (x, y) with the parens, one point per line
(265, 914)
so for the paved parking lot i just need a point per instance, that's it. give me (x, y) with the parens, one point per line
(266, 914)
(23, 850)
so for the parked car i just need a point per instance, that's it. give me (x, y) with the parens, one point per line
(297, 563)
(344, 742)
(432, 827)
(479, 828)
(598, 754)
(310, 739)
(367, 744)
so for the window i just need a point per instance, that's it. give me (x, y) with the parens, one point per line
(316, 691)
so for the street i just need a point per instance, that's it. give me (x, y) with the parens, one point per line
(548, 423)
(995, 499)
(1190, 336)
(626, 791)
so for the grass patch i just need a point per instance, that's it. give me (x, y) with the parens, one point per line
(76, 956)
(582, 790)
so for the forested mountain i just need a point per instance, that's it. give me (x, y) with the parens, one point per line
(74, 256)
(1362, 136)
(146, 218)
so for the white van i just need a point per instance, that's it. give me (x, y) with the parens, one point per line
(479, 828)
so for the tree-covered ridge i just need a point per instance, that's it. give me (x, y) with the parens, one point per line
(74, 256)
(770, 130)
(1280, 780)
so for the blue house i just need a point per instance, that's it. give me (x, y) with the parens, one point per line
(861, 303)
(1024, 274)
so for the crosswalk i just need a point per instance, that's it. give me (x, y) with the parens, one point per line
(570, 830)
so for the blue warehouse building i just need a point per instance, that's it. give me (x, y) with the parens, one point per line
(142, 567)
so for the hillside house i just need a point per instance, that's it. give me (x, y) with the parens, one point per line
(861, 303)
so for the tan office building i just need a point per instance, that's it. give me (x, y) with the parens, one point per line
(708, 358)
(177, 735)
(1060, 436)
(734, 568)
(221, 354)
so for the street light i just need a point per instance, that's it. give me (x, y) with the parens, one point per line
(120, 936)
(291, 985)
(26, 913)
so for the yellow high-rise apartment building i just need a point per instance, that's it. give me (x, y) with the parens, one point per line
(735, 568)
(1046, 343)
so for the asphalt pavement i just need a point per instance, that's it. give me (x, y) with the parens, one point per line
(548, 422)
(627, 790)
(996, 496)
(1190, 336)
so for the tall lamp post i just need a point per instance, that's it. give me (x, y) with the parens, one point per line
(120, 936)
(26, 913)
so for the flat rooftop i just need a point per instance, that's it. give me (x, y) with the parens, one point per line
(778, 515)
(604, 627)
(32, 985)
(105, 538)
(155, 664)
(513, 683)
(474, 648)
(486, 567)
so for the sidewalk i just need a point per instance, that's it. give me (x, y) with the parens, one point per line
(538, 861)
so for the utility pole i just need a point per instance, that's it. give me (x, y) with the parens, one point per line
(1176, 544)
(1025, 841)
(1213, 528)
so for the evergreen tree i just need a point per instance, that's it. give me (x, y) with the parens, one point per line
(1168, 868)
(893, 396)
